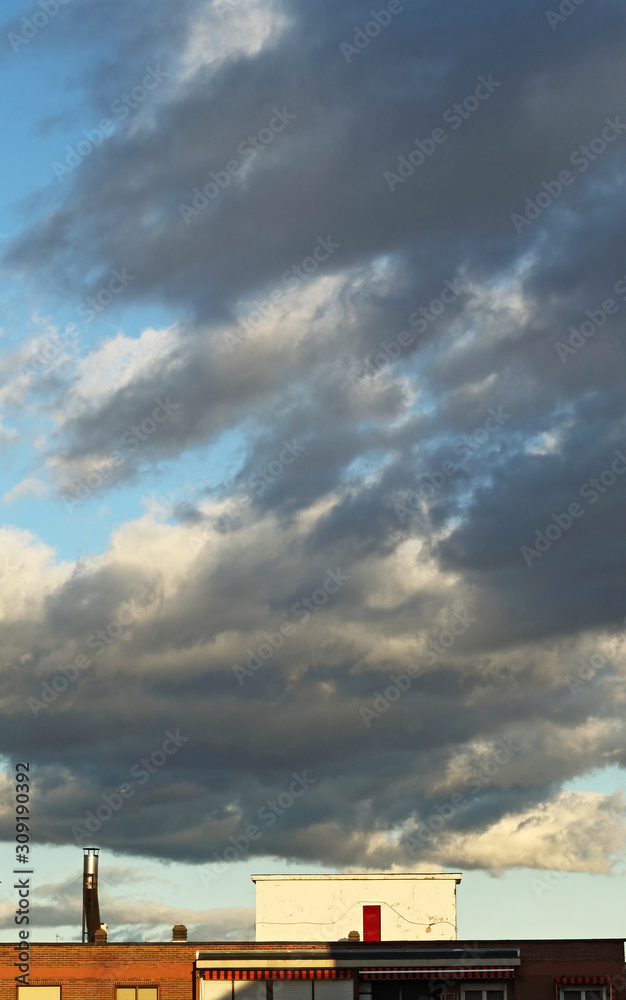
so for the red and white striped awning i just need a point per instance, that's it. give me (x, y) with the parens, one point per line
(493, 972)
(582, 980)
(250, 974)
(601, 981)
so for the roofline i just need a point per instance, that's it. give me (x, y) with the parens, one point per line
(411, 876)
(355, 957)
(226, 946)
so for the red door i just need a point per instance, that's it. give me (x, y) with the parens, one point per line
(371, 923)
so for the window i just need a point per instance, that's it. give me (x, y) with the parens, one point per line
(592, 994)
(299, 989)
(39, 993)
(333, 989)
(276, 989)
(136, 993)
(407, 989)
(217, 989)
(484, 993)
(255, 990)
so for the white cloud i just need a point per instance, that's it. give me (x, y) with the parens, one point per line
(227, 28)
(29, 487)
(116, 363)
(28, 574)
(576, 831)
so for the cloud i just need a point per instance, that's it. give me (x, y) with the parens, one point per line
(356, 618)
(130, 918)
(30, 486)
(575, 832)
(404, 425)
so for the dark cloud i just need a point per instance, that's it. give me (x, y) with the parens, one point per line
(427, 447)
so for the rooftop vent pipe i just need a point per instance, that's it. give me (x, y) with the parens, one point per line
(91, 909)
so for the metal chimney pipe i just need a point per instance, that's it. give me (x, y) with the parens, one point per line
(91, 908)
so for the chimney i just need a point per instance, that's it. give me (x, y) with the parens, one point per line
(91, 908)
(354, 936)
(179, 933)
(101, 936)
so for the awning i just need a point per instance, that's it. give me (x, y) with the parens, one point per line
(582, 980)
(249, 974)
(493, 972)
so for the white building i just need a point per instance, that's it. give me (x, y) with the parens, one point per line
(381, 907)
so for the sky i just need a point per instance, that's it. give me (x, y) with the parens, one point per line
(313, 451)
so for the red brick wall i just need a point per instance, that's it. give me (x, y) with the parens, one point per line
(543, 961)
(91, 972)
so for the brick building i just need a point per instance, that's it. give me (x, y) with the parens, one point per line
(408, 951)
(337, 970)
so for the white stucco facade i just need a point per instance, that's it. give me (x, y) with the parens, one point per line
(413, 906)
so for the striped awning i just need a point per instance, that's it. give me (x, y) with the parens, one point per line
(582, 980)
(493, 972)
(250, 974)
